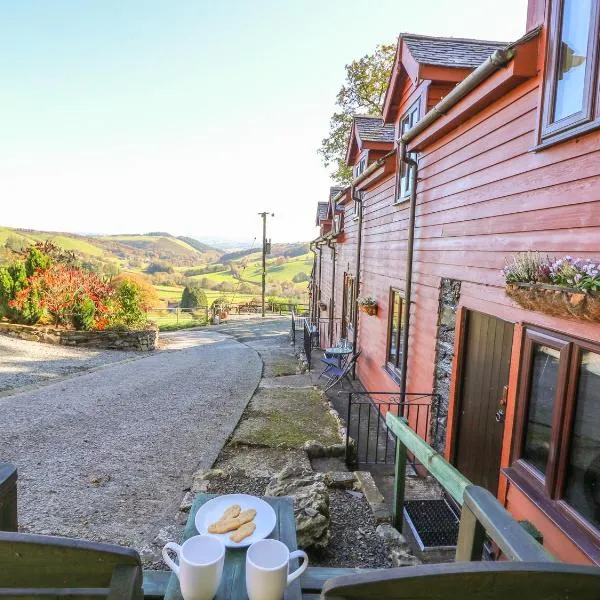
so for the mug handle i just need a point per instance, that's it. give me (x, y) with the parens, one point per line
(170, 563)
(298, 554)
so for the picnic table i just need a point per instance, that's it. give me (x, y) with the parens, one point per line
(233, 582)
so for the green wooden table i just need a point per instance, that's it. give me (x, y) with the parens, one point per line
(233, 582)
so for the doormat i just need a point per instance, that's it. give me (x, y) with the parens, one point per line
(433, 523)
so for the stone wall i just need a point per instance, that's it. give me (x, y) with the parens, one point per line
(142, 339)
(444, 354)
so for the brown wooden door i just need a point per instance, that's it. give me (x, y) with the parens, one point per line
(484, 367)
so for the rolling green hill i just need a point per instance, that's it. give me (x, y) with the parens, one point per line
(125, 250)
(171, 262)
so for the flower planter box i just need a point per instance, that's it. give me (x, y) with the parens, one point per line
(556, 300)
(368, 309)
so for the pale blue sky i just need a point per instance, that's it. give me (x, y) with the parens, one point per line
(188, 116)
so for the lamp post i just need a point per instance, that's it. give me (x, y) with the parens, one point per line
(266, 249)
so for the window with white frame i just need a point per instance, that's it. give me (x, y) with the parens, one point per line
(405, 173)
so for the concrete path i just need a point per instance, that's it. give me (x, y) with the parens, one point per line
(107, 455)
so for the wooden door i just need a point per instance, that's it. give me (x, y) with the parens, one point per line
(483, 372)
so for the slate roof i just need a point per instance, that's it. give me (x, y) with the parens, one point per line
(334, 191)
(322, 211)
(450, 52)
(373, 129)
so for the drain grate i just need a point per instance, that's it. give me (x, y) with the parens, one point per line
(433, 523)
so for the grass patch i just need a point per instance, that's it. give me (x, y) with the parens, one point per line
(287, 418)
(178, 326)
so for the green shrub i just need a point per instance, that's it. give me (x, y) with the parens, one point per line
(84, 315)
(36, 259)
(13, 279)
(6, 293)
(129, 313)
(193, 296)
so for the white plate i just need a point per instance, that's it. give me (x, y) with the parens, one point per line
(212, 511)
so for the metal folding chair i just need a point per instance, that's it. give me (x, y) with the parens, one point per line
(338, 374)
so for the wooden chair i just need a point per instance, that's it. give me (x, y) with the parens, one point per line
(470, 581)
(38, 566)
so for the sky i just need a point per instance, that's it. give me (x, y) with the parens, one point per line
(189, 116)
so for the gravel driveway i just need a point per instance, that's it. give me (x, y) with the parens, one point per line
(107, 455)
(24, 363)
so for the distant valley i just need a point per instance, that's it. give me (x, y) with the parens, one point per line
(170, 262)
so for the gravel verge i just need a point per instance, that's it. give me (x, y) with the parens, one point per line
(24, 363)
(356, 546)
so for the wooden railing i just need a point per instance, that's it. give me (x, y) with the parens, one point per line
(8, 497)
(481, 513)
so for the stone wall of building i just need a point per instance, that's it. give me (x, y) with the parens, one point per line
(142, 339)
(444, 354)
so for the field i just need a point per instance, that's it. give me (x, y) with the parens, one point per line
(67, 242)
(283, 272)
(173, 293)
(111, 254)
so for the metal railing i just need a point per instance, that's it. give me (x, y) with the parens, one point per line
(299, 317)
(366, 423)
(309, 340)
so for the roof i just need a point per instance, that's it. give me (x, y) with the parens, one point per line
(373, 129)
(450, 52)
(322, 211)
(334, 191)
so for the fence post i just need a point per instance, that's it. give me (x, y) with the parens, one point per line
(399, 485)
(8, 497)
(471, 537)
(348, 417)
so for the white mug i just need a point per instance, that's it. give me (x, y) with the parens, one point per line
(267, 568)
(201, 560)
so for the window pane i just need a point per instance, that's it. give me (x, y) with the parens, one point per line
(394, 326)
(401, 321)
(582, 490)
(572, 58)
(544, 376)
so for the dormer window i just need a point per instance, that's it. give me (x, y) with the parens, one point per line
(338, 223)
(361, 165)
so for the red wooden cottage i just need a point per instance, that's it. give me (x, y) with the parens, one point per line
(495, 151)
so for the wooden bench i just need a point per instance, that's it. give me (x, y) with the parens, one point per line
(40, 566)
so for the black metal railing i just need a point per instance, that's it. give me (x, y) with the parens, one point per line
(310, 340)
(365, 422)
(299, 317)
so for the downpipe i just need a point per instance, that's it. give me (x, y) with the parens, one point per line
(412, 163)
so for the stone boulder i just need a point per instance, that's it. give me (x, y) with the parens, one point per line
(311, 504)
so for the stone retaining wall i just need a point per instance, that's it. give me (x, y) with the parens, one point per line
(444, 354)
(143, 339)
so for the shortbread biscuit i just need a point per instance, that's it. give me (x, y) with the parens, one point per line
(224, 526)
(247, 516)
(243, 532)
(232, 512)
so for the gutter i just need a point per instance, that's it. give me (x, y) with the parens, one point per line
(368, 171)
(492, 64)
(359, 202)
(311, 247)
